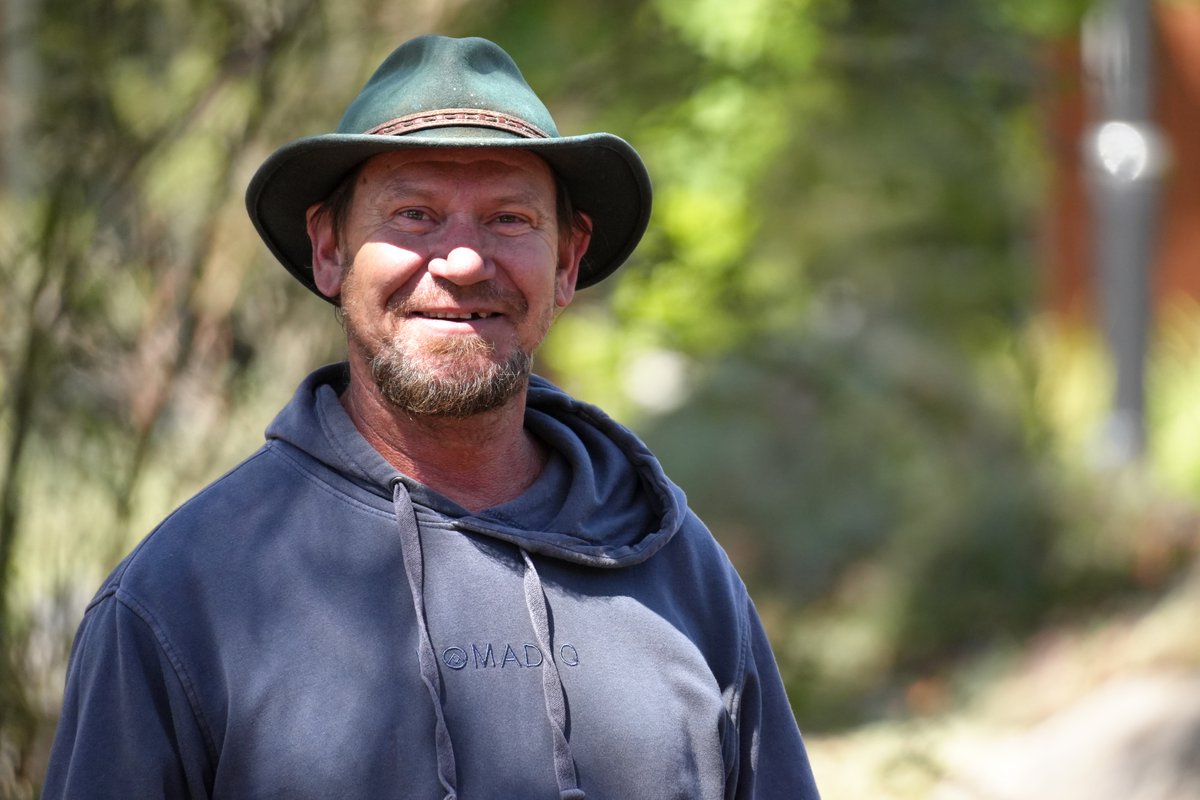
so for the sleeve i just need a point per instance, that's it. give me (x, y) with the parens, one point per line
(128, 728)
(772, 763)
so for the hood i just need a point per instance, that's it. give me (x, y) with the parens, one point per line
(602, 501)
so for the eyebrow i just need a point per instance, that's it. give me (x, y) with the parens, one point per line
(523, 198)
(400, 189)
(407, 190)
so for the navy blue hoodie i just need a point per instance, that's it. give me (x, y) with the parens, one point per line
(316, 625)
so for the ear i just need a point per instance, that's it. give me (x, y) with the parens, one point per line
(568, 262)
(328, 269)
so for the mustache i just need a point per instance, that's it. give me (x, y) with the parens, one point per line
(444, 292)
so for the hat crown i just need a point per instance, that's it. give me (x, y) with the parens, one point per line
(437, 92)
(437, 73)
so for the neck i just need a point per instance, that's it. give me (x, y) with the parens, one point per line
(478, 462)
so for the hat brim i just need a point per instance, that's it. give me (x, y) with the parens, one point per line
(603, 173)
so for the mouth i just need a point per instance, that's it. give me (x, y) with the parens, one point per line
(455, 316)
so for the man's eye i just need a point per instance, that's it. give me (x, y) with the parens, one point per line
(414, 213)
(510, 219)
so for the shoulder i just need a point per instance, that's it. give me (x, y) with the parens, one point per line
(696, 572)
(704, 555)
(273, 510)
(204, 513)
(200, 537)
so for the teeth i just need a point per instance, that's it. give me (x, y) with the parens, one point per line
(440, 315)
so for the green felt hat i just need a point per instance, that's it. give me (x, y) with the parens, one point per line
(435, 92)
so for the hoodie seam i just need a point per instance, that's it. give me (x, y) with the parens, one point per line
(739, 687)
(600, 420)
(744, 647)
(334, 441)
(114, 582)
(646, 466)
(147, 618)
(479, 525)
(312, 477)
(589, 554)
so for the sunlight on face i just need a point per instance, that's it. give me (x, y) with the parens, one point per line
(452, 276)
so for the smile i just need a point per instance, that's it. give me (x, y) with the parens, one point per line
(451, 316)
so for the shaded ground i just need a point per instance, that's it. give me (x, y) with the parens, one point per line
(1137, 736)
(1111, 712)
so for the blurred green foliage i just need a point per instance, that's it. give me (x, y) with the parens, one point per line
(829, 334)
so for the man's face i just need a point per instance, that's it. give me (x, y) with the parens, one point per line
(450, 269)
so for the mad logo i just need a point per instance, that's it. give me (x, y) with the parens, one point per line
(487, 656)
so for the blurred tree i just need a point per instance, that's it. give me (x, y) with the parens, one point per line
(841, 258)
(838, 268)
(126, 353)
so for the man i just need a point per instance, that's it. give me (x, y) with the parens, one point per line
(440, 577)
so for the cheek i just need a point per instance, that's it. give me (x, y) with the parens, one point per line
(352, 301)
(535, 268)
(381, 269)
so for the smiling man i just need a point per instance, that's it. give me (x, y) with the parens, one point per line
(441, 576)
(449, 267)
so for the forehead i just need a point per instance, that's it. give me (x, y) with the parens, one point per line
(473, 168)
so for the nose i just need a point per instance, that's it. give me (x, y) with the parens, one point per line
(464, 261)
(462, 265)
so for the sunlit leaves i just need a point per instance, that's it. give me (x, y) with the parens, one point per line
(783, 32)
(709, 154)
(148, 96)
(1049, 19)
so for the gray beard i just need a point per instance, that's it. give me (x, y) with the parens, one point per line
(455, 377)
(457, 392)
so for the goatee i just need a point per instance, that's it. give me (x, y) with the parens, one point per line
(455, 376)
(460, 388)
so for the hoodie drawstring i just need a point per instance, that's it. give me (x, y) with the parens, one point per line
(552, 688)
(414, 569)
(539, 615)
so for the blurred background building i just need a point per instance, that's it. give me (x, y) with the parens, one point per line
(1123, 231)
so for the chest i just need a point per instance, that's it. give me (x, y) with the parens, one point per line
(335, 705)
